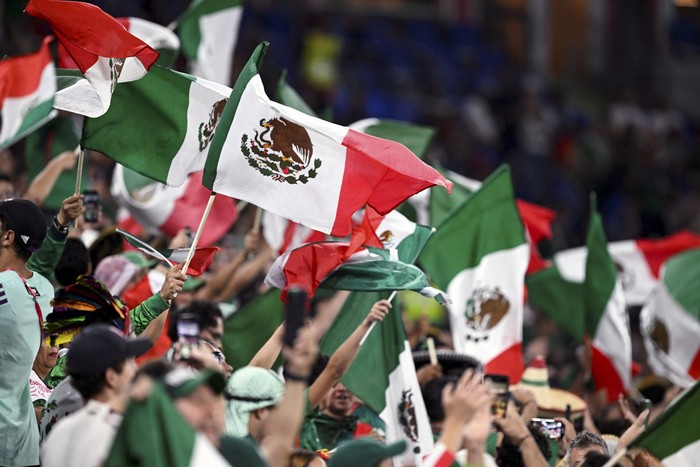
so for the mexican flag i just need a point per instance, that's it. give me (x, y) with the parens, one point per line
(160, 208)
(28, 84)
(201, 260)
(160, 126)
(416, 138)
(674, 436)
(638, 262)
(288, 96)
(283, 235)
(209, 30)
(383, 375)
(670, 321)
(249, 327)
(153, 433)
(479, 255)
(591, 311)
(105, 52)
(306, 169)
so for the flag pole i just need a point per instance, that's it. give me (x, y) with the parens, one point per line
(371, 326)
(432, 352)
(618, 455)
(199, 232)
(81, 158)
(256, 220)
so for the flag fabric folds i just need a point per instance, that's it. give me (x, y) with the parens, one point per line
(303, 168)
(27, 87)
(105, 52)
(209, 30)
(674, 436)
(200, 262)
(670, 321)
(479, 255)
(160, 126)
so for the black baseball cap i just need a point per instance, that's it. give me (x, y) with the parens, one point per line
(101, 346)
(26, 220)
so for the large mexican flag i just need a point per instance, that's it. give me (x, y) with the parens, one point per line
(479, 255)
(208, 30)
(674, 436)
(304, 168)
(160, 126)
(27, 86)
(638, 262)
(670, 321)
(105, 52)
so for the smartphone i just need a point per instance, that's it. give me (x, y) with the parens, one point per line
(187, 334)
(553, 429)
(91, 201)
(294, 314)
(646, 404)
(498, 385)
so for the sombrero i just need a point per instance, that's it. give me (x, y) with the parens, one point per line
(551, 402)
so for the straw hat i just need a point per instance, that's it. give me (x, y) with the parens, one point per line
(550, 401)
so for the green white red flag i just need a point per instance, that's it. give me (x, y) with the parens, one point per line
(27, 86)
(416, 138)
(209, 31)
(670, 321)
(674, 436)
(160, 208)
(160, 126)
(200, 262)
(105, 52)
(479, 255)
(638, 262)
(303, 168)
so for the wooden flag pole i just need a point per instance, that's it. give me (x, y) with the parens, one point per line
(618, 455)
(432, 352)
(81, 158)
(199, 232)
(371, 326)
(256, 220)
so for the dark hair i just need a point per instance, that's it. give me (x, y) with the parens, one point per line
(595, 459)
(18, 248)
(92, 385)
(155, 369)
(206, 313)
(432, 396)
(301, 457)
(586, 439)
(74, 262)
(319, 365)
(509, 454)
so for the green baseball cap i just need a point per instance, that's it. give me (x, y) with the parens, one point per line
(182, 381)
(366, 452)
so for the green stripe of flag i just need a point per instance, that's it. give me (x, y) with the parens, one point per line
(188, 23)
(417, 138)
(681, 276)
(493, 205)
(151, 111)
(288, 96)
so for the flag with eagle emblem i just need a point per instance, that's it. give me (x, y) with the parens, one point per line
(303, 168)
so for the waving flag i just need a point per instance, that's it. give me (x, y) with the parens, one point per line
(105, 52)
(416, 138)
(283, 235)
(27, 86)
(303, 168)
(479, 255)
(201, 260)
(670, 321)
(638, 261)
(160, 126)
(209, 30)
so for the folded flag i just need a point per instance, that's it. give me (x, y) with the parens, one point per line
(209, 31)
(303, 168)
(638, 262)
(160, 126)
(160, 208)
(479, 255)
(283, 235)
(105, 52)
(670, 321)
(27, 86)
(200, 262)
(674, 436)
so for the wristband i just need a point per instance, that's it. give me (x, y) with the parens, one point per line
(522, 440)
(61, 228)
(290, 376)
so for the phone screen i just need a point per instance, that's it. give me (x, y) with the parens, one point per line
(91, 201)
(498, 385)
(295, 313)
(553, 429)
